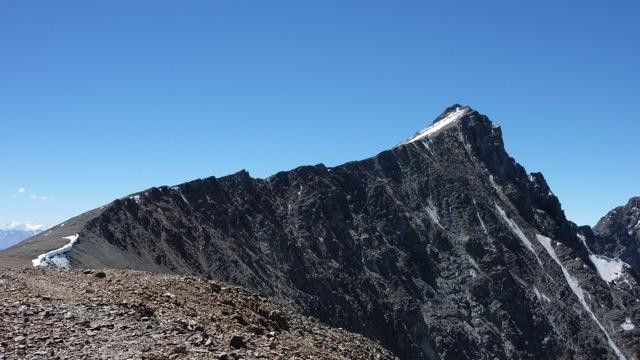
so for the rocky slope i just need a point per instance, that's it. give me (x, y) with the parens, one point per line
(440, 248)
(54, 314)
(619, 233)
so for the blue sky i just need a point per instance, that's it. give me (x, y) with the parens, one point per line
(99, 99)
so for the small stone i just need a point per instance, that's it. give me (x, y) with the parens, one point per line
(256, 330)
(223, 356)
(181, 349)
(237, 342)
(101, 275)
(215, 287)
(19, 338)
(240, 319)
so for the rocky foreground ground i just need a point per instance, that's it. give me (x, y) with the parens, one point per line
(110, 314)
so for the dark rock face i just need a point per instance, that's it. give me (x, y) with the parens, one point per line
(440, 248)
(619, 233)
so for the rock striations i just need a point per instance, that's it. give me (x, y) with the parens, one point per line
(619, 233)
(442, 247)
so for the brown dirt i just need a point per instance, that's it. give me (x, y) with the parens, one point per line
(113, 314)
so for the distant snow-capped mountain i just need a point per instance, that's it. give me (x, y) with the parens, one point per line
(14, 232)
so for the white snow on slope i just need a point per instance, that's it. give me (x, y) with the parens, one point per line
(57, 257)
(577, 290)
(515, 229)
(433, 212)
(584, 242)
(482, 223)
(451, 118)
(627, 325)
(540, 295)
(609, 268)
(182, 196)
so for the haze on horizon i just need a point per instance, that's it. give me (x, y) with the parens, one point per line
(99, 100)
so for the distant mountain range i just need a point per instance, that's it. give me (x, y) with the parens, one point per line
(442, 247)
(14, 232)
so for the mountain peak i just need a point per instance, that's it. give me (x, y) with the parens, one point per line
(451, 109)
(450, 116)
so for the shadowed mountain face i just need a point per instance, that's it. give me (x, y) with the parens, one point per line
(440, 248)
(619, 233)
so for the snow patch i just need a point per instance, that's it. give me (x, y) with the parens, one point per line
(515, 229)
(57, 257)
(135, 198)
(608, 268)
(577, 290)
(181, 194)
(498, 189)
(482, 224)
(433, 212)
(449, 119)
(584, 242)
(627, 325)
(540, 295)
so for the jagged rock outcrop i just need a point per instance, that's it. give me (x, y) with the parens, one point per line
(619, 233)
(440, 248)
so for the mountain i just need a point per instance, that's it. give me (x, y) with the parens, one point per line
(442, 247)
(15, 232)
(618, 233)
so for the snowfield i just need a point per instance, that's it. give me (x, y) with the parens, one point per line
(609, 269)
(577, 290)
(57, 257)
(451, 118)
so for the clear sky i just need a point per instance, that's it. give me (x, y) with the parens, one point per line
(99, 99)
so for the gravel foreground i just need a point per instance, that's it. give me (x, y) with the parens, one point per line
(114, 314)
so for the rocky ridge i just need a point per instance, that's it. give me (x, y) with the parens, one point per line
(57, 314)
(440, 248)
(619, 233)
